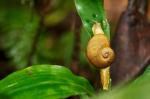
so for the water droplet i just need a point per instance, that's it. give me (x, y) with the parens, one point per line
(95, 15)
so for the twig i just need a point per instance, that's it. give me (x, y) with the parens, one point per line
(35, 42)
(76, 29)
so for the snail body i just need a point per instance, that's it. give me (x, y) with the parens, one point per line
(99, 52)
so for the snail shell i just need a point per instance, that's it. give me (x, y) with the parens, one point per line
(99, 52)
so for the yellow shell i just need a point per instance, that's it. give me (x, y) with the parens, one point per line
(99, 52)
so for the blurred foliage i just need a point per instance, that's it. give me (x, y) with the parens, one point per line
(60, 10)
(44, 82)
(18, 29)
(51, 49)
(138, 89)
(19, 26)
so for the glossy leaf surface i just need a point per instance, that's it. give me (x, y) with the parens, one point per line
(92, 11)
(44, 82)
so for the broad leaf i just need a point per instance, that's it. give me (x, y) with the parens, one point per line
(44, 82)
(92, 11)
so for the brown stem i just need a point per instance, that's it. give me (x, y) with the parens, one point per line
(34, 44)
(42, 7)
(76, 27)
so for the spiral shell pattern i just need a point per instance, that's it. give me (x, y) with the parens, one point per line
(99, 52)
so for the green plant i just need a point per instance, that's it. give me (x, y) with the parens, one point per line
(53, 81)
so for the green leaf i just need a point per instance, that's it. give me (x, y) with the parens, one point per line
(92, 11)
(138, 89)
(44, 82)
(3, 96)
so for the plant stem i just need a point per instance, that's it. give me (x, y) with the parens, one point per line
(105, 78)
(76, 29)
(34, 43)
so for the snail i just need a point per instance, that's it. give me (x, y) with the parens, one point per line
(99, 52)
